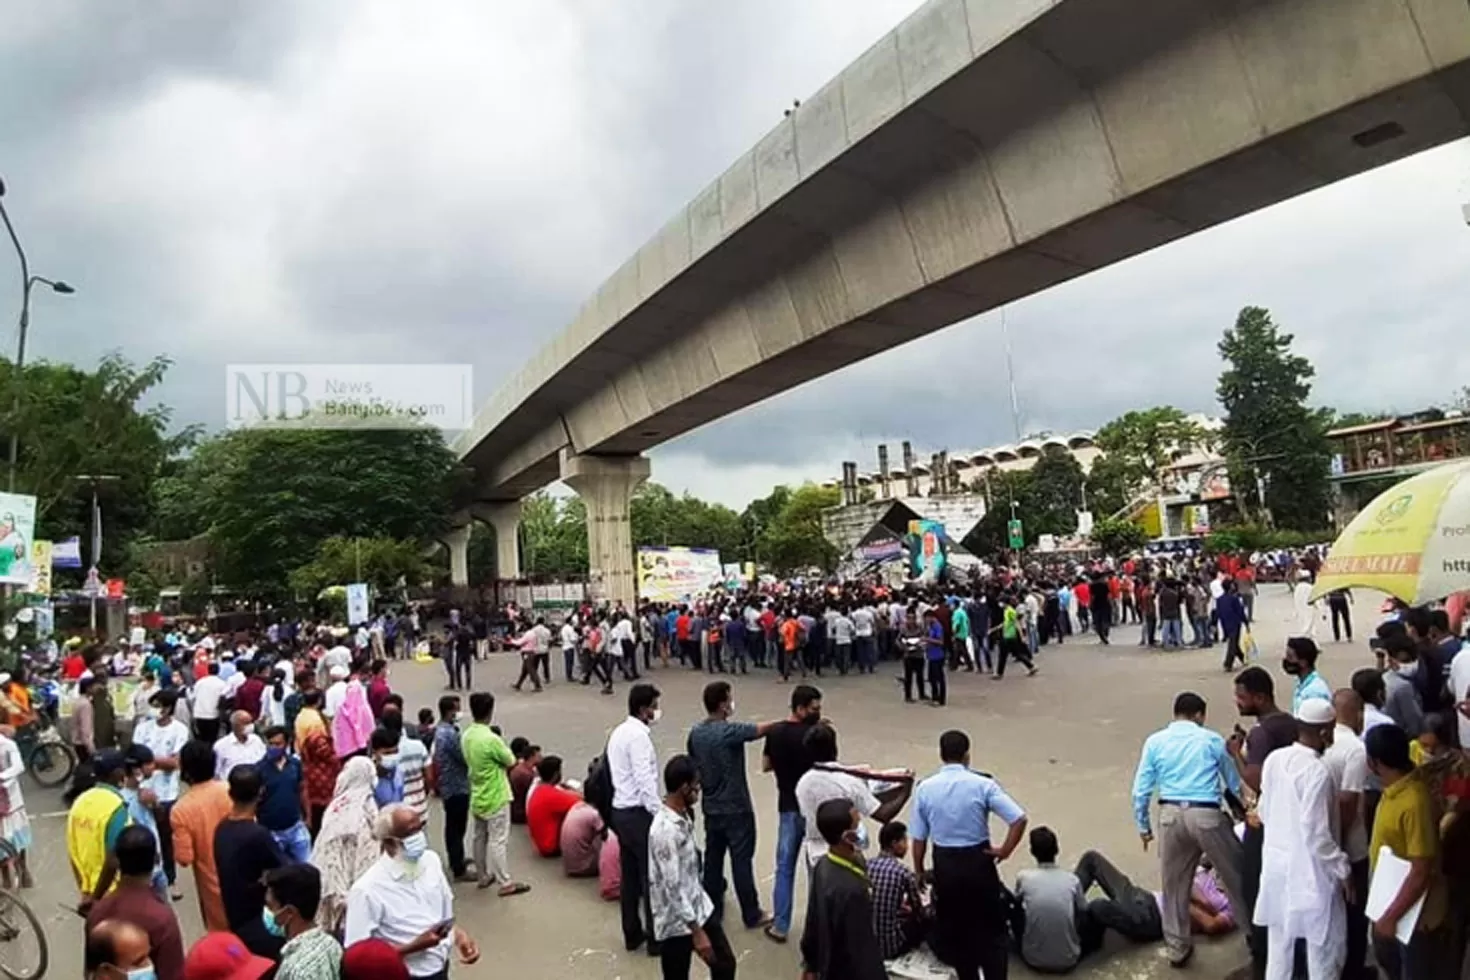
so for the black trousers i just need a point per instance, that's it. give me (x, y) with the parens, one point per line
(166, 841)
(528, 671)
(971, 925)
(1128, 910)
(677, 954)
(913, 671)
(207, 729)
(938, 686)
(732, 833)
(1340, 609)
(1354, 966)
(1014, 647)
(1256, 937)
(631, 824)
(456, 822)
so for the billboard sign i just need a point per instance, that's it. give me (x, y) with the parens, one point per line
(676, 574)
(17, 530)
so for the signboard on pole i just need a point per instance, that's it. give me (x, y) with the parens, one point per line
(357, 603)
(17, 528)
(116, 588)
(67, 553)
(1016, 534)
(40, 568)
(93, 585)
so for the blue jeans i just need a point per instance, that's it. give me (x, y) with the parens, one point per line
(1173, 633)
(732, 833)
(866, 652)
(791, 830)
(294, 842)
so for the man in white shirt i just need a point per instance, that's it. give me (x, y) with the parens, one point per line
(633, 766)
(569, 648)
(337, 692)
(620, 644)
(1460, 691)
(164, 736)
(1347, 760)
(1301, 600)
(242, 747)
(1303, 869)
(207, 693)
(405, 900)
(825, 781)
(864, 648)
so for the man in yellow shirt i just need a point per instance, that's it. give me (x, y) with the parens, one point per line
(1407, 824)
(93, 824)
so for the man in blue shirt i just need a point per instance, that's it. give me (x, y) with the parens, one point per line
(1187, 764)
(282, 803)
(934, 654)
(951, 819)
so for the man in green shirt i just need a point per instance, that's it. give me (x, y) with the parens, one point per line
(489, 761)
(1011, 642)
(959, 624)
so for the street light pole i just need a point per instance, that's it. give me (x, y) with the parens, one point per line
(96, 535)
(28, 282)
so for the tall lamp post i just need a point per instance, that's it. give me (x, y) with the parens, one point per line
(28, 282)
(95, 480)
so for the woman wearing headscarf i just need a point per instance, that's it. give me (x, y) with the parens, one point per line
(352, 725)
(346, 847)
(319, 764)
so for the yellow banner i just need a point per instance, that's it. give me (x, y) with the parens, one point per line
(41, 568)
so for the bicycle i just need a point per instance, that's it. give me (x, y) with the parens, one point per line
(48, 758)
(17, 922)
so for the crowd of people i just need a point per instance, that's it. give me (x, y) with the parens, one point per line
(284, 771)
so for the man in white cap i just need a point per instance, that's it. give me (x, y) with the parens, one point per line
(1304, 872)
(337, 691)
(1306, 613)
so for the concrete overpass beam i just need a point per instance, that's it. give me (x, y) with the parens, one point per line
(606, 485)
(457, 541)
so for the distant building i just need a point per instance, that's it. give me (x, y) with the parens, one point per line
(172, 563)
(1398, 447)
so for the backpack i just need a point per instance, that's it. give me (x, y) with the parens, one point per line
(597, 791)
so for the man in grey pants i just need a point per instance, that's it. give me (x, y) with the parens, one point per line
(1189, 768)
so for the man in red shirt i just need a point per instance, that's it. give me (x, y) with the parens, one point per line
(683, 626)
(252, 692)
(547, 806)
(378, 689)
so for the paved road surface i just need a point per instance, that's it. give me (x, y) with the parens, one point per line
(1063, 743)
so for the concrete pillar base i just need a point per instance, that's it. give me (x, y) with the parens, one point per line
(505, 518)
(457, 540)
(606, 485)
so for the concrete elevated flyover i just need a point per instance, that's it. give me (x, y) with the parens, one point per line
(982, 151)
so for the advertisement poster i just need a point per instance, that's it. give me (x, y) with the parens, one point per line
(676, 574)
(17, 526)
(925, 544)
(357, 603)
(40, 568)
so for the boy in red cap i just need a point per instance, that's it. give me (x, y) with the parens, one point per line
(223, 956)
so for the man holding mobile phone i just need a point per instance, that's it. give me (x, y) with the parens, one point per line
(404, 899)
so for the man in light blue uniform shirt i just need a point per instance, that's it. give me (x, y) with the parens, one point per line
(951, 817)
(1188, 766)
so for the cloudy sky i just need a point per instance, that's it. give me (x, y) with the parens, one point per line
(375, 181)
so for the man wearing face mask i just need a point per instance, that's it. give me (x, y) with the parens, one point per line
(389, 787)
(786, 756)
(405, 900)
(283, 806)
(164, 736)
(1400, 697)
(717, 746)
(633, 766)
(117, 951)
(292, 895)
(134, 902)
(242, 747)
(1304, 872)
(1301, 662)
(686, 923)
(837, 940)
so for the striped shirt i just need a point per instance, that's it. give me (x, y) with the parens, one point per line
(313, 955)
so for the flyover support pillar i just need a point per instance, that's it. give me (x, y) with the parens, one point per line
(505, 518)
(606, 485)
(457, 540)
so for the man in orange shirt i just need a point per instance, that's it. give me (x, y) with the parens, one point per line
(790, 643)
(194, 819)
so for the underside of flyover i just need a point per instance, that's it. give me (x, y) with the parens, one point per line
(983, 151)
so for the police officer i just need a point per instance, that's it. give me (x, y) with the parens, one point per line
(952, 811)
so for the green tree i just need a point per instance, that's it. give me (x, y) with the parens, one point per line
(1118, 537)
(268, 498)
(757, 517)
(793, 540)
(73, 422)
(387, 564)
(1054, 493)
(660, 518)
(1110, 485)
(989, 535)
(1269, 425)
(1141, 443)
(553, 537)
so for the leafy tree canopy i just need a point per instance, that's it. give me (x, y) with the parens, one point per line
(387, 564)
(1269, 425)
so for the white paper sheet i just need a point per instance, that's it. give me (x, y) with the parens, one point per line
(1389, 875)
